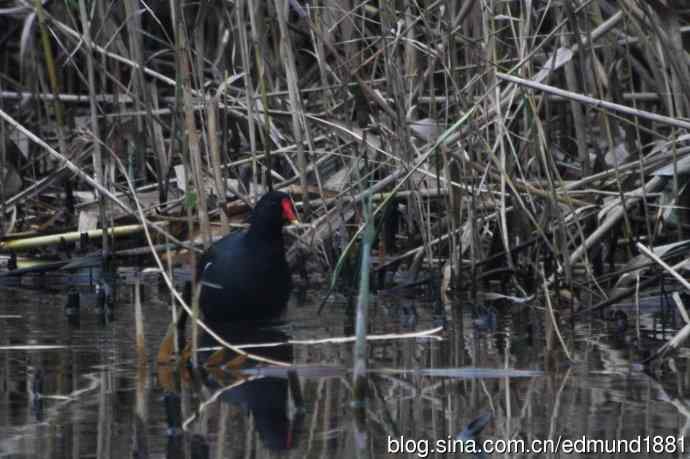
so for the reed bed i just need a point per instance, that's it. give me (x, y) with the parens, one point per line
(534, 143)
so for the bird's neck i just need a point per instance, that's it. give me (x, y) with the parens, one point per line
(272, 236)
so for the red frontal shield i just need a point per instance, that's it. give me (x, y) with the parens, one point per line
(289, 211)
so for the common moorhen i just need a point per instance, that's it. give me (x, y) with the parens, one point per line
(245, 276)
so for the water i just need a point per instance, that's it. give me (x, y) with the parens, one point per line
(84, 393)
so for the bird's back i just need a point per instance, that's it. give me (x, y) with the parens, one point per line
(243, 278)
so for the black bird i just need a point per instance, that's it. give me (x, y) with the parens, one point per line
(245, 276)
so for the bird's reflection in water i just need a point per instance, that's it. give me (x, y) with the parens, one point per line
(266, 399)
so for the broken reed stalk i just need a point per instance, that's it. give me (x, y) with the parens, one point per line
(140, 443)
(212, 115)
(259, 37)
(146, 122)
(222, 431)
(298, 125)
(190, 158)
(196, 293)
(241, 24)
(359, 371)
(97, 156)
(193, 139)
(173, 302)
(360, 366)
(31, 243)
(501, 129)
(139, 321)
(578, 110)
(597, 103)
(3, 173)
(105, 417)
(671, 269)
(552, 315)
(54, 85)
(133, 27)
(428, 334)
(52, 73)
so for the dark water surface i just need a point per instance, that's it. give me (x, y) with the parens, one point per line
(69, 391)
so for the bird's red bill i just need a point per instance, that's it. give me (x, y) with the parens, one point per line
(288, 211)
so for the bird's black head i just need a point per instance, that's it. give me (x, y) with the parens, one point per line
(273, 210)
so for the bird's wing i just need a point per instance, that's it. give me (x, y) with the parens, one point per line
(219, 265)
(210, 256)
